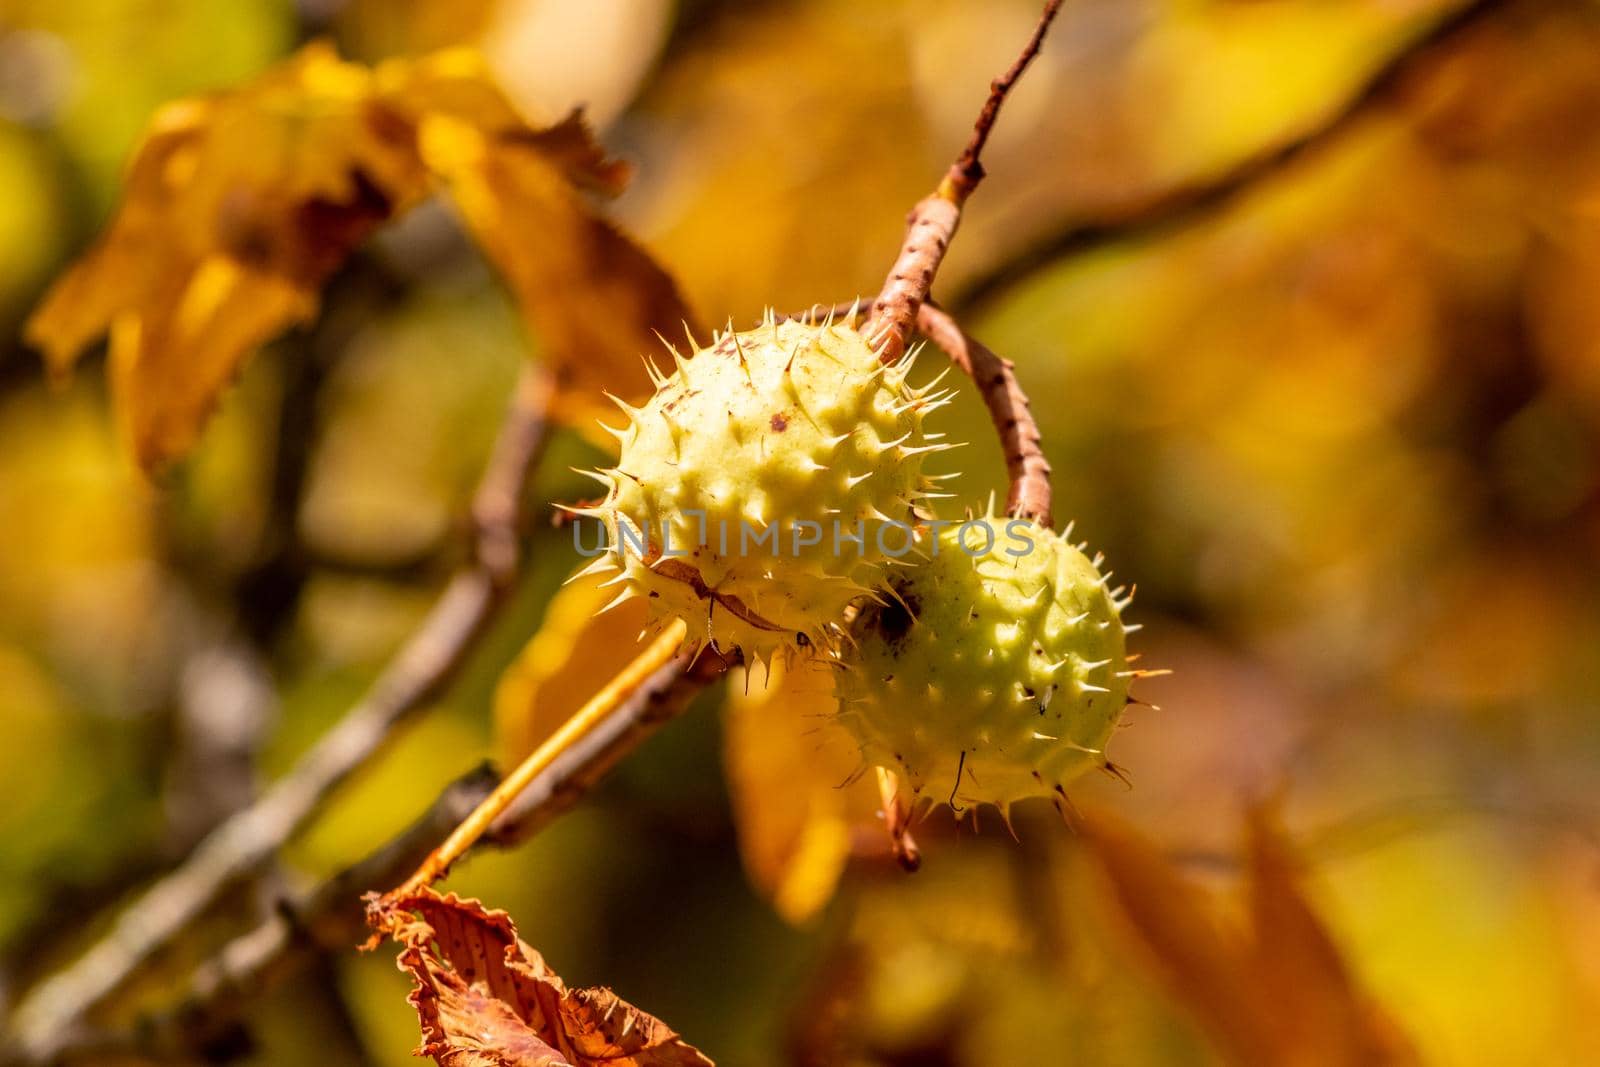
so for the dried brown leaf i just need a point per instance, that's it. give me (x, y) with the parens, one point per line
(486, 999)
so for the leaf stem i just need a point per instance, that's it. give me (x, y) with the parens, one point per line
(599, 707)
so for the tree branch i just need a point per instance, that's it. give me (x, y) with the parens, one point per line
(325, 919)
(967, 171)
(933, 221)
(1170, 210)
(238, 847)
(329, 918)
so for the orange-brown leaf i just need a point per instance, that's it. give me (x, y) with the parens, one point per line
(1320, 1006)
(127, 266)
(1201, 961)
(168, 367)
(1277, 993)
(486, 999)
(238, 206)
(457, 84)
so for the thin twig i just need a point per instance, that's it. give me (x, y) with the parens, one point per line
(498, 504)
(933, 221)
(325, 919)
(1170, 210)
(968, 169)
(243, 843)
(665, 695)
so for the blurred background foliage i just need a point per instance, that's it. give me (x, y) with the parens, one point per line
(1336, 411)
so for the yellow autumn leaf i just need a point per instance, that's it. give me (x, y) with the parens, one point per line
(126, 265)
(595, 298)
(239, 205)
(168, 367)
(454, 83)
(799, 801)
(543, 54)
(235, 209)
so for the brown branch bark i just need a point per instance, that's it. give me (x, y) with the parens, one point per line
(929, 230)
(239, 846)
(967, 172)
(932, 223)
(326, 919)
(1168, 211)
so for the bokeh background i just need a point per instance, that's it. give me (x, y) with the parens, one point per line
(1307, 294)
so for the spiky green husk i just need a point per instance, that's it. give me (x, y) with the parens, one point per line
(787, 423)
(992, 677)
